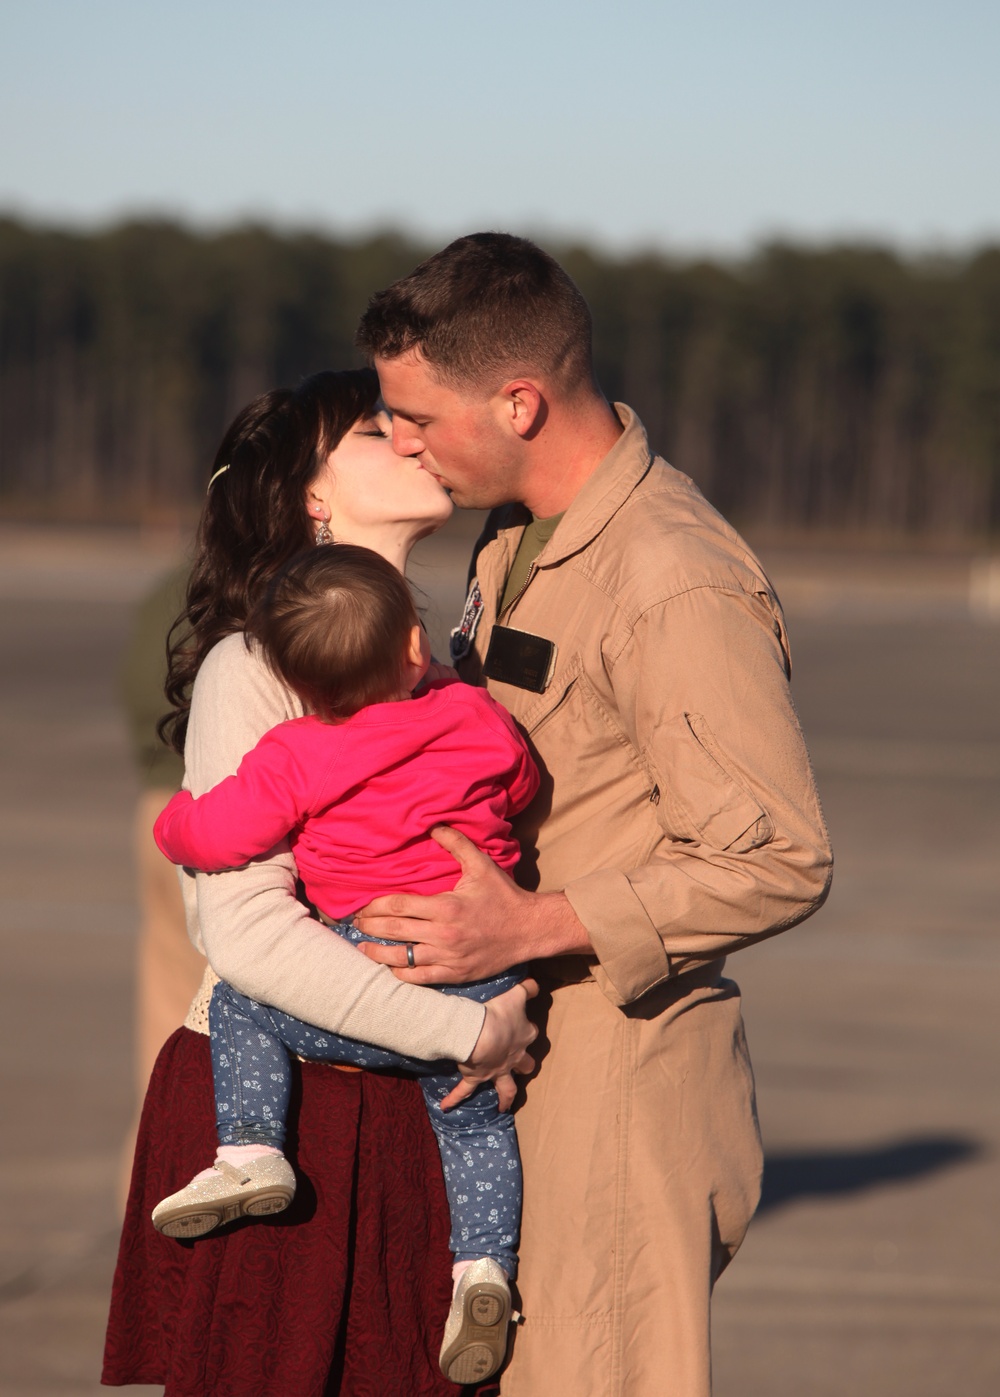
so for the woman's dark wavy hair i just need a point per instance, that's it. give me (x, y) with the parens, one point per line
(254, 519)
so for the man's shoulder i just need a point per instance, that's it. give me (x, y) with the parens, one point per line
(666, 539)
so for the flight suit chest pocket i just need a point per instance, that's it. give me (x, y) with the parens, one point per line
(545, 706)
(700, 798)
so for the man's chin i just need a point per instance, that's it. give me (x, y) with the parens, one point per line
(471, 499)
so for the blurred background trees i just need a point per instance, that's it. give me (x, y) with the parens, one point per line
(844, 389)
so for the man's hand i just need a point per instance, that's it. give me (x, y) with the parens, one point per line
(483, 926)
(501, 1048)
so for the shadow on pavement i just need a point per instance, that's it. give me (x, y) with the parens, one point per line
(826, 1173)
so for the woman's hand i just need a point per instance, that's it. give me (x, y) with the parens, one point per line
(501, 1048)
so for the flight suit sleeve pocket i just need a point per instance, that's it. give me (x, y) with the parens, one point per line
(699, 799)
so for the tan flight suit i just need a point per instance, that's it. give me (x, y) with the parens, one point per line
(678, 812)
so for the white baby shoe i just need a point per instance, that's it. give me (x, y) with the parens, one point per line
(475, 1335)
(254, 1189)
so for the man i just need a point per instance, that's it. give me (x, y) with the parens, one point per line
(639, 644)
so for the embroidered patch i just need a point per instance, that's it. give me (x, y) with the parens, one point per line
(465, 632)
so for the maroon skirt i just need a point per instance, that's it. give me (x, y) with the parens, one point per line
(343, 1294)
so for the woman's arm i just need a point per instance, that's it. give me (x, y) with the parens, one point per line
(254, 931)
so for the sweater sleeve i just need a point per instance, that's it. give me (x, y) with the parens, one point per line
(254, 931)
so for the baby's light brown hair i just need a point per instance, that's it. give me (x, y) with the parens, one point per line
(335, 626)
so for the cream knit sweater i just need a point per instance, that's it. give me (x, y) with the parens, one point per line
(248, 922)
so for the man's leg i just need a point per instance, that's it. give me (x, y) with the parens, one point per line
(641, 1171)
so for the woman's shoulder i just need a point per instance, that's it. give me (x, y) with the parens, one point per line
(229, 658)
(236, 670)
(236, 699)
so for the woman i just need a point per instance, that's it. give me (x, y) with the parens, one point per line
(332, 1283)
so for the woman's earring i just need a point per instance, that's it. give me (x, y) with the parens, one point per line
(323, 534)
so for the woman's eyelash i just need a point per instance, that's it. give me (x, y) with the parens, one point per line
(375, 432)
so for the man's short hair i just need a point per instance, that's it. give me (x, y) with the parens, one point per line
(486, 308)
(334, 626)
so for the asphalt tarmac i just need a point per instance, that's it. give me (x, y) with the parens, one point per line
(872, 1268)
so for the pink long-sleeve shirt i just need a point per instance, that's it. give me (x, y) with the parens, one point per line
(361, 797)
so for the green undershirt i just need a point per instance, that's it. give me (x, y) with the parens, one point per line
(533, 540)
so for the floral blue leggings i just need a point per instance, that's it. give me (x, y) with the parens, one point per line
(478, 1142)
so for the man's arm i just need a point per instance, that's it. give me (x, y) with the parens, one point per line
(702, 688)
(486, 920)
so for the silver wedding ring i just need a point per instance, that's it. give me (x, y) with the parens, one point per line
(409, 955)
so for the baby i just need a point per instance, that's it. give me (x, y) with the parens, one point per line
(359, 784)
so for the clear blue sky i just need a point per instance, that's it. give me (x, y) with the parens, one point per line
(706, 125)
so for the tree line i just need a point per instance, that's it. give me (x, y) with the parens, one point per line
(842, 388)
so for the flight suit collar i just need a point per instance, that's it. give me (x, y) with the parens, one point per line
(601, 496)
(604, 493)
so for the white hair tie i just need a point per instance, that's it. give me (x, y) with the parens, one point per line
(221, 471)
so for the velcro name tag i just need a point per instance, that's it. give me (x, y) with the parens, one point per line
(515, 657)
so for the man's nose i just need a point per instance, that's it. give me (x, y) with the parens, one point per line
(406, 440)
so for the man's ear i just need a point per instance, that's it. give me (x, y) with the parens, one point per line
(524, 405)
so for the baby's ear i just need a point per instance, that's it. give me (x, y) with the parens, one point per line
(415, 650)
